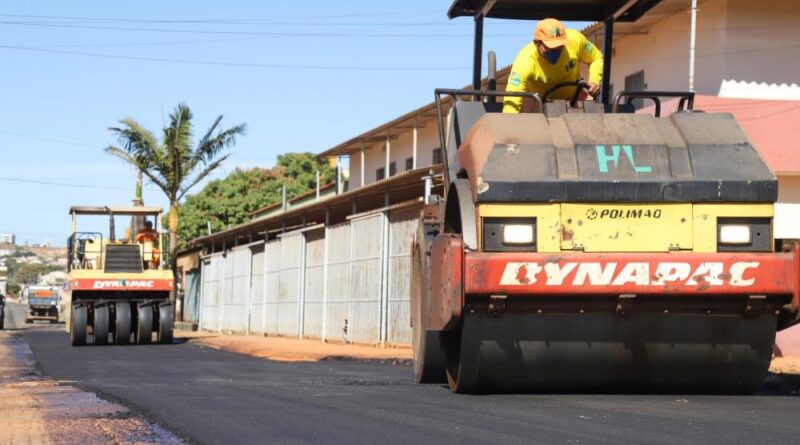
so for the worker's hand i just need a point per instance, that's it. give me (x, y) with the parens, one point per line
(593, 89)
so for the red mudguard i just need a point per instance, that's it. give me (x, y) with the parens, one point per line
(677, 273)
(94, 284)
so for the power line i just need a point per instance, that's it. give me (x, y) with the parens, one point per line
(63, 184)
(220, 21)
(48, 139)
(159, 43)
(247, 33)
(235, 64)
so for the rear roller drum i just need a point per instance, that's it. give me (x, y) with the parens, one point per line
(101, 324)
(165, 323)
(144, 325)
(77, 333)
(122, 323)
(428, 354)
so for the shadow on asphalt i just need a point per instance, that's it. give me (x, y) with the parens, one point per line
(786, 385)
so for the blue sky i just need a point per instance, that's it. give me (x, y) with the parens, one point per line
(303, 75)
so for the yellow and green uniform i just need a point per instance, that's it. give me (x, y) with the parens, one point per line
(533, 73)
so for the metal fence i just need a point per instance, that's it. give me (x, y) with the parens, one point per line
(346, 282)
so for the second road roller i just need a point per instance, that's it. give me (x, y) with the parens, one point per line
(585, 247)
(118, 290)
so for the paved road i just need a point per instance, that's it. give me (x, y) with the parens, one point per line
(217, 397)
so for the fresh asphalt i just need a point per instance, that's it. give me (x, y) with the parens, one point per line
(216, 397)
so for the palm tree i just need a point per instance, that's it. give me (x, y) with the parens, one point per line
(172, 164)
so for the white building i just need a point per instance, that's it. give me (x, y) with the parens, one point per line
(3, 278)
(8, 238)
(53, 278)
(743, 49)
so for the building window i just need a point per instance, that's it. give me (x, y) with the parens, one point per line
(380, 174)
(437, 155)
(392, 168)
(409, 163)
(635, 82)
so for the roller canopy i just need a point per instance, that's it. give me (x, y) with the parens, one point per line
(567, 10)
(687, 157)
(97, 210)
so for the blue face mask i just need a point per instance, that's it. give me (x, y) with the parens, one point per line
(552, 55)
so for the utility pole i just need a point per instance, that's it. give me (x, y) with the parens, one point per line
(692, 42)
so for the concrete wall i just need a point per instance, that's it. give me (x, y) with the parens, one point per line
(740, 40)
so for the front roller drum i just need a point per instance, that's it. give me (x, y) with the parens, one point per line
(429, 364)
(77, 332)
(603, 352)
(144, 324)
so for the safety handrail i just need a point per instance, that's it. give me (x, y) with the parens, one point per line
(72, 247)
(686, 102)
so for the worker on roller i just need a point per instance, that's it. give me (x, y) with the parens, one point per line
(149, 236)
(147, 233)
(553, 57)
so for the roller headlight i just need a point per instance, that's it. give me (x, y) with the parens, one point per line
(518, 234)
(744, 235)
(735, 234)
(509, 234)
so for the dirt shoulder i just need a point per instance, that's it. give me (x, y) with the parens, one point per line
(294, 350)
(785, 365)
(36, 410)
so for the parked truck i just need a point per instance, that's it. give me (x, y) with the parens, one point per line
(42, 303)
(590, 248)
(118, 290)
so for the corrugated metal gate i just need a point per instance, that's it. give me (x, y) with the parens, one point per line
(236, 290)
(191, 296)
(366, 260)
(347, 282)
(209, 309)
(402, 226)
(272, 273)
(314, 284)
(256, 304)
(289, 284)
(338, 282)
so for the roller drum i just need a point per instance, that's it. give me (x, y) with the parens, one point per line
(597, 352)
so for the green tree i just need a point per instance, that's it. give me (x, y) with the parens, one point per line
(172, 164)
(227, 202)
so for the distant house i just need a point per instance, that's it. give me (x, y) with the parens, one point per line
(8, 238)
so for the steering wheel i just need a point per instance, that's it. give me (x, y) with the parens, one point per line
(579, 85)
